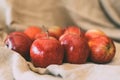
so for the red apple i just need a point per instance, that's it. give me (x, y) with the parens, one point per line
(76, 48)
(19, 42)
(55, 31)
(102, 49)
(32, 31)
(93, 33)
(74, 30)
(41, 35)
(46, 51)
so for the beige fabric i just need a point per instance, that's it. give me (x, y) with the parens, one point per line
(38, 12)
(62, 13)
(2, 14)
(3, 36)
(13, 66)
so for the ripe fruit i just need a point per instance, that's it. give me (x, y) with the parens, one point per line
(55, 31)
(19, 42)
(41, 35)
(46, 51)
(32, 31)
(93, 33)
(74, 30)
(76, 48)
(102, 49)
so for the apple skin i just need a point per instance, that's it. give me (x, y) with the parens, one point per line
(93, 33)
(74, 30)
(76, 48)
(56, 31)
(41, 35)
(46, 51)
(102, 49)
(19, 42)
(32, 31)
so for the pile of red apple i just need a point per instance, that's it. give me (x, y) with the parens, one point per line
(57, 45)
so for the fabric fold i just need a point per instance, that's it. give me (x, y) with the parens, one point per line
(91, 16)
(111, 9)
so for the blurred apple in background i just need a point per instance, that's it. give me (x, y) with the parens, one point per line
(32, 31)
(102, 49)
(46, 51)
(41, 35)
(74, 30)
(76, 48)
(19, 42)
(93, 33)
(55, 31)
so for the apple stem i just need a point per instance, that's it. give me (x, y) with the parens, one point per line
(46, 31)
(47, 34)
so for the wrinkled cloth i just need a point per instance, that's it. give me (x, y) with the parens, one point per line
(96, 14)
